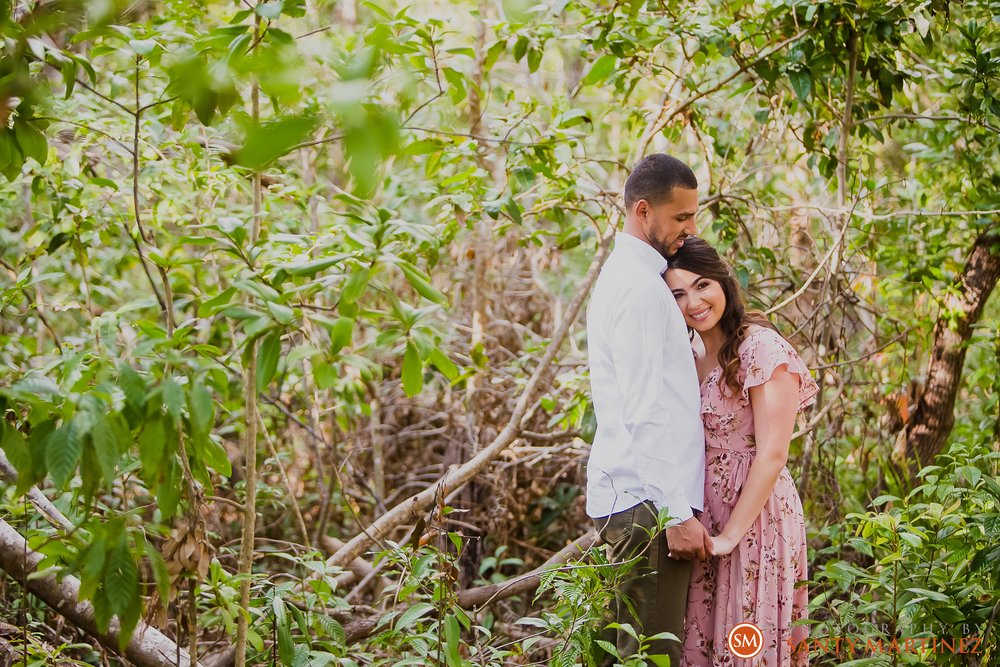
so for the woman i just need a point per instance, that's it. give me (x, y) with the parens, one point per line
(753, 384)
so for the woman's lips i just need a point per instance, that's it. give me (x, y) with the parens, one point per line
(701, 315)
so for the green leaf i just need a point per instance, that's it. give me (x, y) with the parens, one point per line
(201, 409)
(133, 386)
(282, 313)
(152, 447)
(270, 140)
(332, 628)
(168, 491)
(534, 59)
(14, 446)
(313, 267)
(410, 616)
(801, 83)
(444, 364)
(62, 452)
(267, 359)
(106, 446)
(269, 10)
(413, 371)
(143, 47)
(341, 333)
(216, 458)
(286, 647)
(600, 70)
(32, 142)
(420, 283)
(355, 286)
(213, 305)
(160, 572)
(453, 640)
(173, 397)
(121, 578)
(91, 567)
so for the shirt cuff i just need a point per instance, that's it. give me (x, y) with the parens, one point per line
(679, 510)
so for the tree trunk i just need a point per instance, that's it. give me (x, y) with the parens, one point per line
(148, 647)
(934, 415)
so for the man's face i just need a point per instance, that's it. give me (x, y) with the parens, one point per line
(668, 223)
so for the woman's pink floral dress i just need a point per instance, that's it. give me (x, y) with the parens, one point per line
(757, 581)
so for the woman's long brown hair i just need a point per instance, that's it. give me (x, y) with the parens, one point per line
(698, 256)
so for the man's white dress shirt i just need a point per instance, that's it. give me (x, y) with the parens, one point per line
(650, 444)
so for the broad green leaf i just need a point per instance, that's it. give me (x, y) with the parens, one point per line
(14, 446)
(443, 364)
(270, 140)
(286, 647)
(32, 142)
(173, 397)
(106, 446)
(355, 286)
(313, 267)
(453, 640)
(269, 10)
(91, 567)
(121, 578)
(341, 333)
(413, 371)
(801, 83)
(282, 313)
(133, 386)
(218, 301)
(600, 70)
(216, 458)
(420, 283)
(160, 572)
(168, 492)
(411, 614)
(62, 452)
(267, 359)
(152, 447)
(201, 409)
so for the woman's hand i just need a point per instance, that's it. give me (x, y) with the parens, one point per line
(722, 545)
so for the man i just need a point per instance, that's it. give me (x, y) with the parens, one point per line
(649, 453)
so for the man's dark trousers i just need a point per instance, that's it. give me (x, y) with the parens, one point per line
(657, 584)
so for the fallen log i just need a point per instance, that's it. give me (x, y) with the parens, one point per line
(474, 598)
(481, 596)
(148, 647)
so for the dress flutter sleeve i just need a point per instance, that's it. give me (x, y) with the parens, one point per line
(764, 351)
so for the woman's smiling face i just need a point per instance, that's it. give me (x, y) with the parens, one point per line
(701, 300)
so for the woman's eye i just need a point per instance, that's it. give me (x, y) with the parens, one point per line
(702, 285)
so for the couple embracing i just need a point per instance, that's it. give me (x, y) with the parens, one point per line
(697, 433)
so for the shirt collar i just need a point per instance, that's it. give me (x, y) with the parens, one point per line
(641, 251)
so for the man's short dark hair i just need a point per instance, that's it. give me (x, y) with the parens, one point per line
(655, 178)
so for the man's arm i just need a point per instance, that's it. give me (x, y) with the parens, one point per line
(637, 341)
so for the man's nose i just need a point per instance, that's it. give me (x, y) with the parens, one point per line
(692, 228)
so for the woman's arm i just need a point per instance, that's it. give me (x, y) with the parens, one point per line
(775, 404)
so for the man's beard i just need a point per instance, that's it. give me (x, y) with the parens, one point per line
(663, 248)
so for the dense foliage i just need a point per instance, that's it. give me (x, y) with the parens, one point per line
(309, 255)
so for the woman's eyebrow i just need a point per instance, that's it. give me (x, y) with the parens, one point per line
(692, 283)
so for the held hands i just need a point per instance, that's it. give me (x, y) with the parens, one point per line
(688, 540)
(722, 545)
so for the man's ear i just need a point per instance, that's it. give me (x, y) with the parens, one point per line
(640, 210)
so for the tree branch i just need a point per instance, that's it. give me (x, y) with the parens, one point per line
(410, 509)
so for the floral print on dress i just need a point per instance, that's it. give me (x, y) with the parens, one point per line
(759, 582)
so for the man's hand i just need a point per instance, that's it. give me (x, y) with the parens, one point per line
(688, 540)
